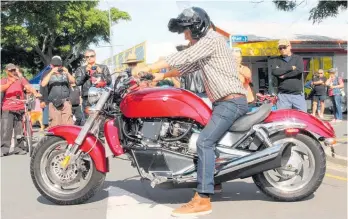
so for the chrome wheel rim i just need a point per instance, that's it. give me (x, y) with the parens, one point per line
(69, 181)
(298, 170)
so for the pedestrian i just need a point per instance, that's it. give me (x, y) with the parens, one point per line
(12, 88)
(335, 85)
(319, 93)
(223, 86)
(91, 75)
(56, 83)
(288, 69)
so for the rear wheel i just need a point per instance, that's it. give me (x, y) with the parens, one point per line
(75, 185)
(300, 176)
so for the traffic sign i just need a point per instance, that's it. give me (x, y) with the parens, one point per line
(237, 38)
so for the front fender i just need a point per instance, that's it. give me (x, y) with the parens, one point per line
(314, 125)
(70, 133)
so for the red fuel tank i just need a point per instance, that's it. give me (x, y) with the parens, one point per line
(165, 102)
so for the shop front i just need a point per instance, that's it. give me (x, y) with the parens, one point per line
(316, 55)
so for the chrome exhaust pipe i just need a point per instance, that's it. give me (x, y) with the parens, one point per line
(267, 159)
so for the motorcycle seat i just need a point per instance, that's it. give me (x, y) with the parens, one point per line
(245, 122)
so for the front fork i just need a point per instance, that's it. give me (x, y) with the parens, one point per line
(92, 124)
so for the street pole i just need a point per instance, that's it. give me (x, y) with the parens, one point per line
(111, 44)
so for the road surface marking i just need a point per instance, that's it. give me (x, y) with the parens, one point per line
(124, 204)
(336, 177)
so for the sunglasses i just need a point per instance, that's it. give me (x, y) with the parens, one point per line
(282, 47)
(91, 56)
(12, 70)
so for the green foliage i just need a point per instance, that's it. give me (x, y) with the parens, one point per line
(49, 28)
(324, 9)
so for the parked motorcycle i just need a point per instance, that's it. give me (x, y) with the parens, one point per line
(157, 128)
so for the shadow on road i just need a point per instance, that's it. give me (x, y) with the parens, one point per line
(232, 191)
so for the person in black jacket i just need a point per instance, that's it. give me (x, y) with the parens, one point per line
(90, 75)
(288, 69)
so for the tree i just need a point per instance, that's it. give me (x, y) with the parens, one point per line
(317, 14)
(48, 28)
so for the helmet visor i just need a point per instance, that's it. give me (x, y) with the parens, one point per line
(177, 25)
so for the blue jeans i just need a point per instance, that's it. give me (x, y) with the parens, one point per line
(292, 101)
(223, 116)
(337, 104)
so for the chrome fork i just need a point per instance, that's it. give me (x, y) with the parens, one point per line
(73, 152)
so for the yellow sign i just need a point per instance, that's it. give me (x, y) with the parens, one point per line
(267, 48)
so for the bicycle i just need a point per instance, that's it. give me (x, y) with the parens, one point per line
(26, 123)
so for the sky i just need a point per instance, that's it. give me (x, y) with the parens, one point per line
(150, 19)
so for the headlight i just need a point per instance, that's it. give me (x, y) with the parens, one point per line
(94, 95)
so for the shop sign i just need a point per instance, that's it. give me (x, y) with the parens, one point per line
(268, 48)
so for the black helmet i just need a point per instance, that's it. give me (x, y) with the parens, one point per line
(195, 19)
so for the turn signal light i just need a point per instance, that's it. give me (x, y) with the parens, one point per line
(292, 131)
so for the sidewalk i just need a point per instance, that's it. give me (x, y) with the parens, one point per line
(340, 149)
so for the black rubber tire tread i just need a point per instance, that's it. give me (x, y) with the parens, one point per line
(92, 187)
(311, 187)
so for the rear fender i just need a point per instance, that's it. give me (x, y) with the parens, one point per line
(70, 133)
(313, 125)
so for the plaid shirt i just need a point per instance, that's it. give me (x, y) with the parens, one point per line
(215, 59)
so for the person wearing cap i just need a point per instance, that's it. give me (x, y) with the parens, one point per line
(86, 74)
(288, 69)
(335, 84)
(131, 61)
(12, 87)
(56, 85)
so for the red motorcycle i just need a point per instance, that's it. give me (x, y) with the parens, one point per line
(157, 128)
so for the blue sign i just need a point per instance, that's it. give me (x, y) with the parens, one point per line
(237, 38)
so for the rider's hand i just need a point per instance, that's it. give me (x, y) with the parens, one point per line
(158, 77)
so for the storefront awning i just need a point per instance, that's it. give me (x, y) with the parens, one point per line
(267, 48)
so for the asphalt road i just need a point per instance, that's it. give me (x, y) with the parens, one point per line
(126, 197)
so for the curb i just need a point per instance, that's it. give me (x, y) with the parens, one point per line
(337, 159)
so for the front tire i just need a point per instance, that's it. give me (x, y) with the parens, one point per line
(49, 179)
(297, 185)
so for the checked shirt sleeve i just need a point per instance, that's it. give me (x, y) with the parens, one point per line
(188, 58)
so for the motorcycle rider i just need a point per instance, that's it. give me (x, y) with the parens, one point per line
(224, 88)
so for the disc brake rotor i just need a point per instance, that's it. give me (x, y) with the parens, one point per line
(60, 176)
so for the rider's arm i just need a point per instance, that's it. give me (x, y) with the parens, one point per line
(188, 57)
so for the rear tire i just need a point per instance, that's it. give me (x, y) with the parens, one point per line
(56, 196)
(288, 195)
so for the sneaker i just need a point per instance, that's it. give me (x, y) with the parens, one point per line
(197, 206)
(218, 188)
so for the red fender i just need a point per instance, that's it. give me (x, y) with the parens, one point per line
(324, 129)
(70, 133)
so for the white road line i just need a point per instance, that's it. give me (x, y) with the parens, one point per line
(126, 205)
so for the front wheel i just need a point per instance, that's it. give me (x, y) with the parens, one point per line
(75, 185)
(300, 176)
